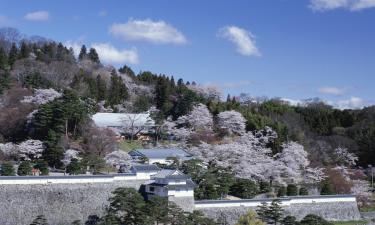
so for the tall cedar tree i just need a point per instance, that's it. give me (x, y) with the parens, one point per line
(3, 59)
(13, 54)
(83, 53)
(93, 56)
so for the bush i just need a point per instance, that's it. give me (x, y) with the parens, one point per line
(264, 187)
(292, 190)
(244, 188)
(7, 169)
(326, 188)
(303, 191)
(42, 166)
(312, 219)
(75, 167)
(289, 220)
(24, 169)
(281, 191)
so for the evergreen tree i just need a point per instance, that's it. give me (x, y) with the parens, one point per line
(262, 211)
(42, 166)
(281, 192)
(312, 219)
(176, 215)
(7, 169)
(93, 55)
(326, 188)
(289, 220)
(303, 191)
(158, 209)
(3, 59)
(101, 88)
(275, 212)
(75, 167)
(83, 53)
(128, 207)
(4, 81)
(40, 220)
(24, 51)
(292, 190)
(13, 54)
(244, 188)
(24, 169)
(198, 218)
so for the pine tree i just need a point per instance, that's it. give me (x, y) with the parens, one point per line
(93, 55)
(24, 169)
(275, 212)
(83, 53)
(262, 211)
(40, 220)
(128, 207)
(3, 59)
(13, 54)
(101, 88)
(158, 208)
(289, 220)
(7, 169)
(292, 190)
(24, 51)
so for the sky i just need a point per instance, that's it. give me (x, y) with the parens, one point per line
(292, 49)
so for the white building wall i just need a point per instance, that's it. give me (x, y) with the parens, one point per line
(284, 202)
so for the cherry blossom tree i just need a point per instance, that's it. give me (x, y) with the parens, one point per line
(199, 118)
(118, 158)
(294, 157)
(30, 149)
(42, 96)
(231, 122)
(69, 155)
(344, 157)
(250, 158)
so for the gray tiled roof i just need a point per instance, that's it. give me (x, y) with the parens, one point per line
(189, 184)
(161, 153)
(145, 167)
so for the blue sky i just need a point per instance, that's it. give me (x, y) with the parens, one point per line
(294, 49)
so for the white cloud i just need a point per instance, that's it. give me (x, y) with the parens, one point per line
(243, 39)
(331, 90)
(75, 45)
(158, 32)
(351, 103)
(109, 54)
(103, 13)
(352, 5)
(37, 16)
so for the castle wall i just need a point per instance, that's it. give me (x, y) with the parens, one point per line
(342, 208)
(60, 203)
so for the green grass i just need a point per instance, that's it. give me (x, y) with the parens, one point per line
(127, 146)
(368, 208)
(357, 222)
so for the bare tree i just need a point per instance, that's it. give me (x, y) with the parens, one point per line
(100, 141)
(133, 124)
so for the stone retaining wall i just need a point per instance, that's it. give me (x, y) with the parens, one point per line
(60, 203)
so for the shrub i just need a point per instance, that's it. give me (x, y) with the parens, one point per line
(303, 191)
(24, 168)
(7, 169)
(312, 219)
(292, 190)
(281, 191)
(244, 188)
